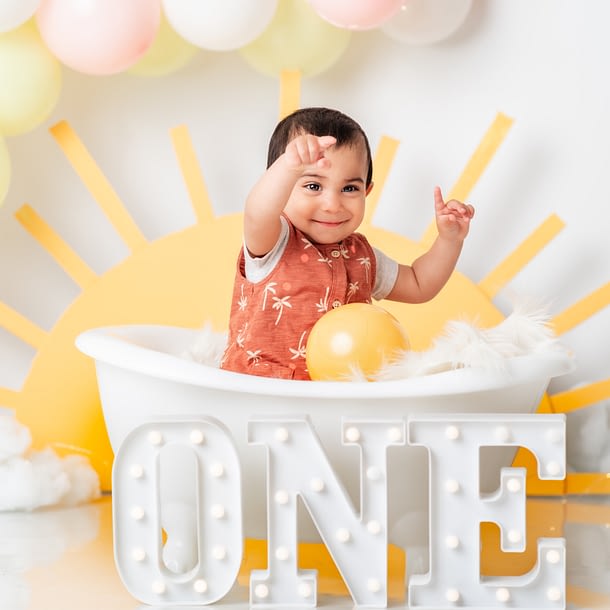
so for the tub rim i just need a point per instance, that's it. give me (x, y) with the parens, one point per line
(100, 344)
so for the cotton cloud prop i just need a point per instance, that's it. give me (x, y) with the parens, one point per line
(33, 479)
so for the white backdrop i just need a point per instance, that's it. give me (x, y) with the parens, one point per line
(542, 62)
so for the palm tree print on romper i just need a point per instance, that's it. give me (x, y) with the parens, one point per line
(299, 352)
(269, 288)
(279, 304)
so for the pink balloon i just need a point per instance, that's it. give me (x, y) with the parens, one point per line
(99, 36)
(356, 14)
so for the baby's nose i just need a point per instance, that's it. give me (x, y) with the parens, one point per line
(331, 201)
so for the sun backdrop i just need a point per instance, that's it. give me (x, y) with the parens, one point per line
(185, 279)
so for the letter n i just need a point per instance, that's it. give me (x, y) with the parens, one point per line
(299, 467)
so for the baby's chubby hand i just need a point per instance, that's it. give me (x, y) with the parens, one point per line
(452, 217)
(306, 150)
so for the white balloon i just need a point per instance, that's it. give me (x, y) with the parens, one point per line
(219, 25)
(15, 12)
(427, 21)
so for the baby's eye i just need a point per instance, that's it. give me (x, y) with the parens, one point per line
(312, 186)
(350, 188)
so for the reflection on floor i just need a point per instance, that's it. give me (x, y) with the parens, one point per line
(63, 559)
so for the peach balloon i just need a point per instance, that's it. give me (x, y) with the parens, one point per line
(356, 14)
(356, 337)
(99, 36)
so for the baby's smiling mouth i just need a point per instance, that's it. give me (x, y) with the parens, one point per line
(329, 223)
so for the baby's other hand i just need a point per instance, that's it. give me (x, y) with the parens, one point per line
(307, 150)
(452, 217)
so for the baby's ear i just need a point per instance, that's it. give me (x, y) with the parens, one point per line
(369, 188)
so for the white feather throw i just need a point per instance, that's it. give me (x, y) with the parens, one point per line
(464, 344)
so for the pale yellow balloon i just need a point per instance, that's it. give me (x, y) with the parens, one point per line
(354, 337)
(168, 53)
(297, 39)
(5, 170)
(30, 80)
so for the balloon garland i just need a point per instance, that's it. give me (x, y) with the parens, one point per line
(157, 37)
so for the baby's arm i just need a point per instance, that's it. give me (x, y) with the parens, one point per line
(269, 195)
(424, 279)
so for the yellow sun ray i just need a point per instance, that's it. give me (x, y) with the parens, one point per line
(582, 310)
(593, 514)
(21, 327)
(8, 396)
(585, 598)
(521, 256)
(384, 157)
(587, 484)
(582, 483)
(72, 264)
(575, 483)
(290, 92)
(474, 168)
(191, 174)
(578, 398)
(98, 185)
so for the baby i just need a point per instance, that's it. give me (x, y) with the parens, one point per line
(302, 255)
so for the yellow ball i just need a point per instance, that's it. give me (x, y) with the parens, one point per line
(356, 336)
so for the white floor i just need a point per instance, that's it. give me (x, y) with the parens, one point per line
(62, 559)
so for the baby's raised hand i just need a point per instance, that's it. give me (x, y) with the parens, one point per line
(453, 217)
(307, 150)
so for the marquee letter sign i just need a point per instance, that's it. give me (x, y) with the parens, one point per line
(457, 508)
(298, 466)
(202, 535)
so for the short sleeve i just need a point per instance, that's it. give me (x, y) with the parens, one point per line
(387, 272)
(259, 267)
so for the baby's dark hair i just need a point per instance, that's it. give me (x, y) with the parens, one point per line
(319, 122)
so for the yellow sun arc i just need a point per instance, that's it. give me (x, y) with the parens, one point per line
(185, 279)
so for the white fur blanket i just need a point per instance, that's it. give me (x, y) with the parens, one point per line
(462, 344)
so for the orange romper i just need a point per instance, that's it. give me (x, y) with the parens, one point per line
(271, 319)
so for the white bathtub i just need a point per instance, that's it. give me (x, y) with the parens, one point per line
(142, 378)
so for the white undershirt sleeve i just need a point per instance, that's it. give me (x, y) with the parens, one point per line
(259, 267)
(387, 272)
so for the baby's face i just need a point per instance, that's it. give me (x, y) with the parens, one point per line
(327, 204)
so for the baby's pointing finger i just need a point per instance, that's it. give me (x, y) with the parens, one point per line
(439, 202)
(326, 141)
(302, 148)
(314, 150)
